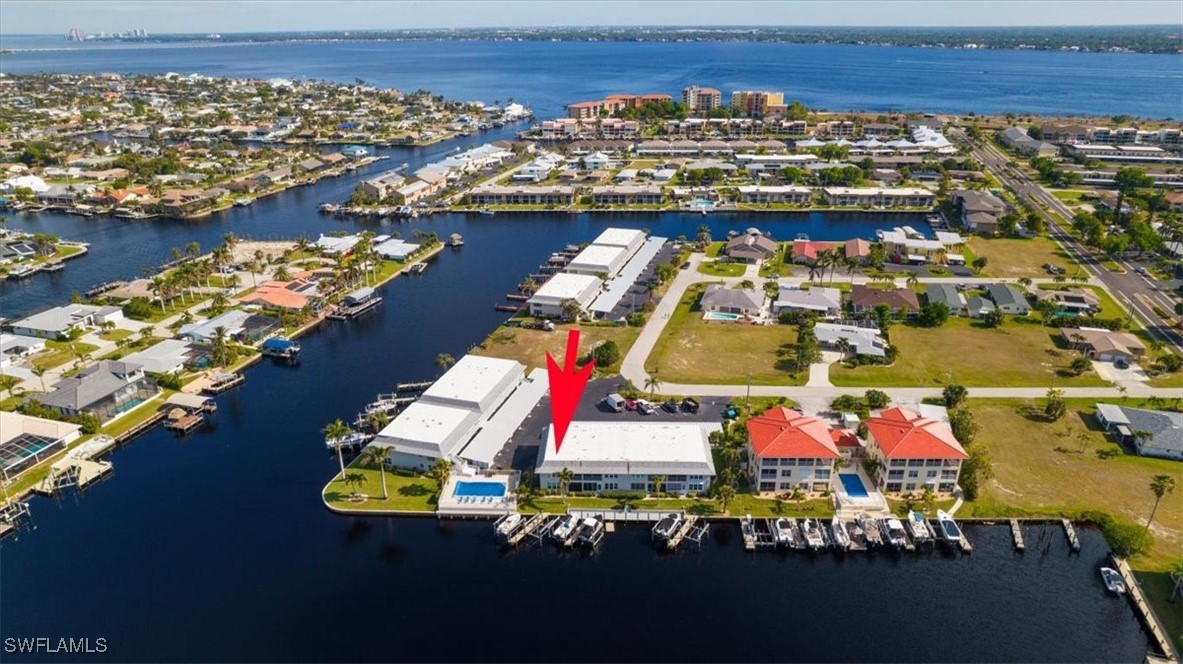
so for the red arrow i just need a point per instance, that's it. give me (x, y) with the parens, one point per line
(566, 386)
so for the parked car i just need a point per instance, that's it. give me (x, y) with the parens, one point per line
(615, 402)
(630, 404)
(1120, 363)
(670, 406)
(689, 405)
(645, 407)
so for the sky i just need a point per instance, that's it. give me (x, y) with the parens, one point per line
(201, 16)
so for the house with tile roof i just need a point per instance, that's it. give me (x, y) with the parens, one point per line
(750, 247)
(788, 450)
(1104, 345)
(901, 301)
(106, 390)
(910, 453)
(720, 299)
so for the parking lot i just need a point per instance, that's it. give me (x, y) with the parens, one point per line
(521, 452)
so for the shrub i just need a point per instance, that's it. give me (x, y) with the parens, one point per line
(606, 354)
(1125, 538)
(877, 399)
(138, 308)
(622, 495)
(167, 380)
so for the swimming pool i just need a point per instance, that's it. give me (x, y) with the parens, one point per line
(718, 315)
(853, 485)
(496, 489)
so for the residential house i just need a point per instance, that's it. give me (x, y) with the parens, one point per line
(169, 356)
(1073, 300)
(181, 202)
(806, 251)
(550, 299)
(977, 306)
(522, 195)
(1153, 433)
(16, 347)
(826, 302)
(626, 195)
(302, 291)
(947, 295)
(879, 197)
(1018, 140)
(750, 247)
(60, 321)
(105, 390)
(1009, 299)
(857, 248)
(33, 438)
(381, 187)
(857, 338)
(788, 450)
(903, 248)
(979, 210)
(240, 326)
(1104, 345)
(901, 301)
(910, 453)
(720, 299)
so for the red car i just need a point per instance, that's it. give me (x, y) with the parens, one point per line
(630, 404)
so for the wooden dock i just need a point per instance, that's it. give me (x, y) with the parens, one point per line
(524, 531)
(1149, 618)
(74, 472)
(1070, 533)
(185, 423)
(223, 382)
(140, 428)
(680, 534)
(966, 547)
(1016, 532)
(413, 387)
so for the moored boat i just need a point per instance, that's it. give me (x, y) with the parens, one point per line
(591, 533)
(871, 530)
(1113, 581)
(783, 531)
(893, 530)
(841, 537)
(352, 440)
(811, 531)
(565, 528)
(504, 527)
(918, 526)
(947, 528)
(667, 526)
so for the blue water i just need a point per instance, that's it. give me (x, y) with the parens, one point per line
(853, 485)
(549, 75)
(479, 489)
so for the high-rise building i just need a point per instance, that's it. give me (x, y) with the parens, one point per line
(701, 99)
(755, 104)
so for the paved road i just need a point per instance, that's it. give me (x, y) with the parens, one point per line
(1138, 293)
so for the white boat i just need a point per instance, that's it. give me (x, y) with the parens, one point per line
(667, 526)
(919, 528)
(841, 538)
(871, 530)
(592, 532)
(487, 211)
(349, 441)
(566, 526)
(1113, 581)
(857, 538)
(894, 531)
(242, 202)
(783, 530)
(505, 526)
(947, 528)
(811, 531)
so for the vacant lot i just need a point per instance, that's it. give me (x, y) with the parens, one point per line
(531, 346)
(692, 350)
(1070, 466)
(57, 353)
(1009, 257)
(966, 352)
(722, 268)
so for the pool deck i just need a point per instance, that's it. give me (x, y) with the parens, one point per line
(451, 505)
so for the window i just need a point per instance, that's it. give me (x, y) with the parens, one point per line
(788, 462)
(786, 473)
(768, 486)
(930, 474)
(895, 474)
(676, 478)
(611, 486)
(893, 487)
(638, 486)
(948, 474)
(896, 462)
(822, 474)
(947, 487)
(912, 463)
(767, 472)
(932, 462)
(913, 473)
(805, 462)
(952, 463)
(910, 486)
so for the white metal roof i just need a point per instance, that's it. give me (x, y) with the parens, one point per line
(620, 237)
(568, 286)
(473, 381)
(640, 448)
(598, 258)
(427, 429)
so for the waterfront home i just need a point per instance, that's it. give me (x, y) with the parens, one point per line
(948, 295)
(60, 321)
(807, 251)
(630, 456)
(598, 260)
(901, 301)
(899, 246)
(549, 300)
(395, 249)
(857, 248)
(910, 453)
(381, 188)
(16, 347)
(750, 247)
(238, 325)
(336, 245)
(1153, 433)
(774, 194)
(169, 356)
(448, 414)
(772, 163)
(1104, 345)
(1008, 299)
(26, 441)
(826, 302)
(744, 302)
(303, 291)
(860, 339)
(522, 195)
(1072, 300)
(181, 202)
(626, 195)
(979, 210)
(105, 390)
(538, 169)
(788, 450)
(879, 197)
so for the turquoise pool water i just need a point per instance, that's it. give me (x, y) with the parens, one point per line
(496, 489)
(718, 315)
(853, 485)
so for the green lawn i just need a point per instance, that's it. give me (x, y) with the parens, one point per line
(531, 346)
(1012, 257)
(692, 350)
(1167, 380)
(136, 416)
(714, 249)
(722, 269)
(115, 335)
(173, 307)
(405, 490)
(57, 353)
(67, 250)
(966, 352)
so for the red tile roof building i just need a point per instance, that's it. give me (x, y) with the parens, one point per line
(913, 452)
(787, 450)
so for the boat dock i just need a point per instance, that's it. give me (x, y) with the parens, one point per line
(1070, 533)
(966, 547)
(1016, 532)
(526, 529)
(1145, 612)
(690, 529)
(413, 387)
(140, 428)
(224, 382)
(72, 471)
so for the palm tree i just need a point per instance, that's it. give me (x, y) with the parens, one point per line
(377, 420)
(336, 432)
(725, 493)
(229, 241)
(441, 470)
(159, 287)
(376, 455)
(282, 273)
(912, 279)
(8, 384)
(39, 372)
(658, 483)
(565, 476)
(444, 361)
(652, 383)
(843, 345)
(1161, 485)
